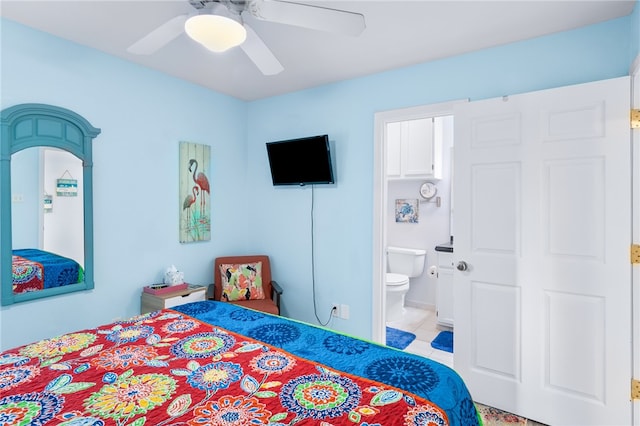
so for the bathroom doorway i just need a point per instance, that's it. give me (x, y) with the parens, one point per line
(434, 212)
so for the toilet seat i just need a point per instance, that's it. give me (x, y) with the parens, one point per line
(394, 280)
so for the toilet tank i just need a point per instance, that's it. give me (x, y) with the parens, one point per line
(406, 261)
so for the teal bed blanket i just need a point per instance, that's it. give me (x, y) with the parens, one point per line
(415, 374)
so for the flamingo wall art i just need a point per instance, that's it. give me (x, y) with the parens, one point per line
(195, 192)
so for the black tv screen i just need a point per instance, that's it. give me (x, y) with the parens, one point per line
(300, 161)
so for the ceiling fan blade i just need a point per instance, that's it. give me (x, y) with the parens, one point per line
(260, 54)
(307, 16)
(159, 37)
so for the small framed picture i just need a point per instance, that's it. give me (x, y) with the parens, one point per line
(407, 210)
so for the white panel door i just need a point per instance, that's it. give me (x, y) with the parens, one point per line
(543, 222)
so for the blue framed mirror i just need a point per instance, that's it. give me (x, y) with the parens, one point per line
(35, 139)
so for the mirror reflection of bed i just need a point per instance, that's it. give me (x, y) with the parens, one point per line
(47, 243)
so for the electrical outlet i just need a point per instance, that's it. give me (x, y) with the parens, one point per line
(335, 310)
(340, 311)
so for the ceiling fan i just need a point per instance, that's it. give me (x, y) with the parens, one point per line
(232, 13)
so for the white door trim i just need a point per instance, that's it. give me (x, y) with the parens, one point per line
(380, 201)
(634, 72)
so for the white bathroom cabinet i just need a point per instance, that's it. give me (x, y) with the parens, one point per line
(414, 149)
(444, 293)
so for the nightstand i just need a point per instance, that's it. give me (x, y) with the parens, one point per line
(155, 302)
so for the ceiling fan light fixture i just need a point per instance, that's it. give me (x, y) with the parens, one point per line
(215, 32)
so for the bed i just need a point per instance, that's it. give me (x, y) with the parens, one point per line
(35, 269)
(215, 363)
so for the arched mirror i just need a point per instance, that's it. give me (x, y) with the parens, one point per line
(46, 214)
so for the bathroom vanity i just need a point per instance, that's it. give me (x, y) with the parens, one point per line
(444, 287)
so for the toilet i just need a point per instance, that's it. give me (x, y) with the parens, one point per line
(403, 264)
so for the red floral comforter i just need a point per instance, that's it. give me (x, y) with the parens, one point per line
(27, 275)
(168, 368)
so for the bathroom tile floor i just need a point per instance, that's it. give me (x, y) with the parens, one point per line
(423, 324)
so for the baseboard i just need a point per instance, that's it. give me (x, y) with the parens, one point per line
(420, 305)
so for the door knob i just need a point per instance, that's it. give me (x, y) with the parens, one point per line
(462, 266)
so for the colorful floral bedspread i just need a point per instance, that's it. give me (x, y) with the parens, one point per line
(27, 275)
(417, 375)
(35, 269)
(169, 368)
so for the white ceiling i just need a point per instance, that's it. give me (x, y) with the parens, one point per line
(398, 33)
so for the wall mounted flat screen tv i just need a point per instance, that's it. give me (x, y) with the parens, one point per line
(302, 161)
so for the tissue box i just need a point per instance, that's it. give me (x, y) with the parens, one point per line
(174, 278)
(156, 289)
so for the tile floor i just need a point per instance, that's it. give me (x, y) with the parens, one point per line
(423, 324)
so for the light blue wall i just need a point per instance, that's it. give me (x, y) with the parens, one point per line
(143, 115)
(345, 110)
(26, 185)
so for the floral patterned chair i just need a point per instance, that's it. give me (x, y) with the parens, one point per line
(246, 281)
